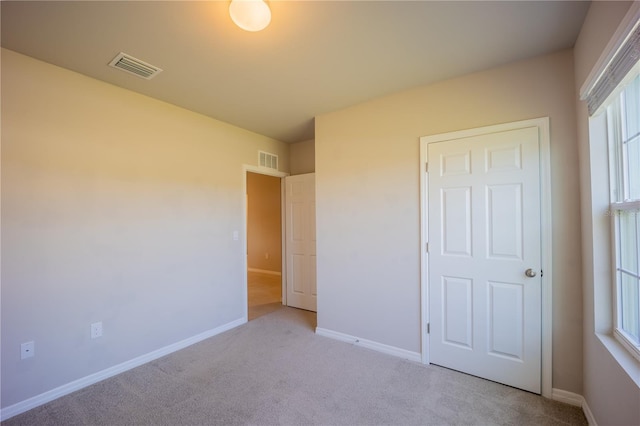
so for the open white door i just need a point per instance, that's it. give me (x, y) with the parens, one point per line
(484, 256)
(300, 218)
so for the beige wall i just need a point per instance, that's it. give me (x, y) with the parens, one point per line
(611, 394)
(367, 189)
(115, 208)
(302, 157)
(264, 223)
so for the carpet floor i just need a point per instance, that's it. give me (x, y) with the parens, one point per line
(276, 371)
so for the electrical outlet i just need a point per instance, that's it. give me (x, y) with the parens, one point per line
(27, 350)
(96, 330)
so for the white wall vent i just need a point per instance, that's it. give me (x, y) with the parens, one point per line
(268, 160)
(134, 66)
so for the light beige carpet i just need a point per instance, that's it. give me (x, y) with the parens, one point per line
(275, 370)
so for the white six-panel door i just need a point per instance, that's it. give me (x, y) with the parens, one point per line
(300, 218)
(484, 235)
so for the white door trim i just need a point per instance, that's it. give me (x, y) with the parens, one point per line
(262, 171)
(546, 221)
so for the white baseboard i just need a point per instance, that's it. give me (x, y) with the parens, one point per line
(83, 382)
(574, 399)
(567, 397)
(264, 271)
(370, 344)
(588, 414)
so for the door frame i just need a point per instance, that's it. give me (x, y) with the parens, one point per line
(245, 289)
(545, 237)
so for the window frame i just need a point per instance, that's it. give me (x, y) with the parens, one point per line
(620, 203)
(621, 335)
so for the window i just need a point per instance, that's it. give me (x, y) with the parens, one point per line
(623, 127)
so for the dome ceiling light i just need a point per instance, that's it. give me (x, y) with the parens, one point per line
(250, 15)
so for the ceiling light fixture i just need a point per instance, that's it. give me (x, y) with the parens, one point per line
(250, 15)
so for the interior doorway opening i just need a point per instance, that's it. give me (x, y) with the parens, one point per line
(264, 244)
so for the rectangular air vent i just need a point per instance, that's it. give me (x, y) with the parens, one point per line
(134, 66)
(268, 160)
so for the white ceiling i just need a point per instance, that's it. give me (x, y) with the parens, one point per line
(315, 57)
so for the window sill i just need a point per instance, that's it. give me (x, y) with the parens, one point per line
(623, 339)
(622, 356)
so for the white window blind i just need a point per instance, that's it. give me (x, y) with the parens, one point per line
(622, 62)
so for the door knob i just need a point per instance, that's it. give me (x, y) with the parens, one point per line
(530, 273)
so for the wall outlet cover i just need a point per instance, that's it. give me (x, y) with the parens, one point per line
(96, 330)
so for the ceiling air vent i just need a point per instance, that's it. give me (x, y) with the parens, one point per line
(268, 160)
(134, 66)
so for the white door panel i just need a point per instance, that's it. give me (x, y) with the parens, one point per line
(455, 227)
(457, 309)
(504, 225)
(300, 247)
(505, 315)
(484, 233)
